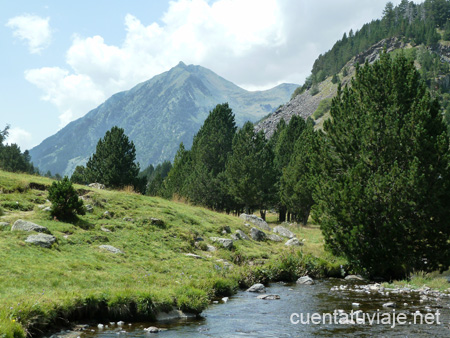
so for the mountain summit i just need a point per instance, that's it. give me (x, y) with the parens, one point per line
(157, 115)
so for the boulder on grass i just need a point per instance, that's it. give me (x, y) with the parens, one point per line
(21, 225)
(257, 235)
(258, 221)
(42, 240)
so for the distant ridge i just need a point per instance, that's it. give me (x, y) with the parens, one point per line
(157, 115)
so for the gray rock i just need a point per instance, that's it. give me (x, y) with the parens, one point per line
(152, 329)
(274, 238)
(242, 235)
(293, 242)
(257, 288)
(210, 248)
(43, 240)
(105, 229)
(110, 248)
(193, 255)
(89, 208)
(97, 186)
(354, 277)
(235, 237)
(156, 221)
(390, 304)
(107, 214)
(47, 209)
(305, 280)
(128, 219)
(257, 235)
(258, 221)
(227, 229)
(225, 242)
(282, 231)
(21, 225)
(268, 297)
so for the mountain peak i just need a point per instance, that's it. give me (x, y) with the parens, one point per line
(181, 64)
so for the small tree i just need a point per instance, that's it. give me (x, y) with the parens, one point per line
(113, 161)
(79, 175)
(65, 201)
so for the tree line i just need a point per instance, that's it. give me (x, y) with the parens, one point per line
(12, 158)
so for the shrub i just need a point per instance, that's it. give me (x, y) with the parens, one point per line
(65, 201)
(324, 107)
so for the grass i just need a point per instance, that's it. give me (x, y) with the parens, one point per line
(76, 280)
(433, 280)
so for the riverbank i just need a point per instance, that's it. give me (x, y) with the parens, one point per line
(165, 258)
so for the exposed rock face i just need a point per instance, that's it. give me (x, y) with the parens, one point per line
(43, 240)
(258, 221)
(305, 280)
(282, 231)
(110, 248)
(306, 104)
(257, 235)
(293, 242)
(21, 225)
(225, 242)
(257, 288)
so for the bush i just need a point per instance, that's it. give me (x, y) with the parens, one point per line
(65, 201)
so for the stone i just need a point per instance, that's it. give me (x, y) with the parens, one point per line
(293, 242)
(97, 186)
(225, 299)
(257, 288)
(21, 225)
(110, 248)
(225, 242)
(156, 221)
(241, 235)
(210, 248)
(354, 277)
(128, 219)
(105, 229)
(47, 209)
(43, 240)
(274, 238)
(268, 297)
(257, 235)
(282, 231)
(258, 221)
(235, 237)
(193, 255)
(305, 280)
(89, 208)
(390, 304)
(152, 329)
(227, 229)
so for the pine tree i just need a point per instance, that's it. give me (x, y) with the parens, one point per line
(383, 200)
(113, 163)
(250, 171)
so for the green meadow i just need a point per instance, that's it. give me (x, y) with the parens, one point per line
(43, 289)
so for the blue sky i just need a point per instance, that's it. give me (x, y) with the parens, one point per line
(61, 59)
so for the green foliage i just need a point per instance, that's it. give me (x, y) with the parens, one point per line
(335, 79)
(155, 178)
(384, 192)
(79, 175)
(179, 173)
(113, 162)
(250, 171)
(297, 183)
(11, 158)
(324, 107)
(65, 201)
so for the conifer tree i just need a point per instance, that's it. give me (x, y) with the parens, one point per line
(383, 199)
(113, 163)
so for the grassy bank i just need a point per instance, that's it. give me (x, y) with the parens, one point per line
(77, 280)
(434, 280)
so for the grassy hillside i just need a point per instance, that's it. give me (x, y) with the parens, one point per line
(76, 280)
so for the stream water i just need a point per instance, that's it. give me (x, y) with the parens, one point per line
(244, 315)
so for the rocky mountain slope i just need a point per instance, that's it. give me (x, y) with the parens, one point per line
(157, 115)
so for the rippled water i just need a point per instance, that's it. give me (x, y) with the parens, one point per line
(246, 316)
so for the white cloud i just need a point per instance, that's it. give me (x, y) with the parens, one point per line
(21, 137)
(32, 29)
(255, 43)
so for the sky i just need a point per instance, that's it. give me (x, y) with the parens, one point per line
(63, 58)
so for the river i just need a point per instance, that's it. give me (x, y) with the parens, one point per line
(244, 315)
